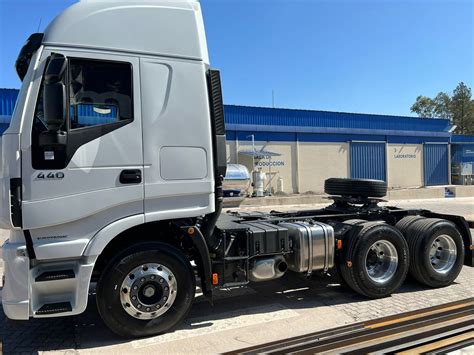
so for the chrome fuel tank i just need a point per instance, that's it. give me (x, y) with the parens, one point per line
(313, 246)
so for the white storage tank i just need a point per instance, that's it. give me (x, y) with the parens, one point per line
(258, 183)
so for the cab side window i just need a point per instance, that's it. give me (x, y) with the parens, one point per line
(100, 100)
(100, 92)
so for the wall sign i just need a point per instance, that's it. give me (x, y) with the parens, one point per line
(266, 163)
(468, 152)
(401, 155)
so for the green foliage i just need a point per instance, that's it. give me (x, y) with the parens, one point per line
(442, 103)
(423, 106)
(459, 108)
(463, 109)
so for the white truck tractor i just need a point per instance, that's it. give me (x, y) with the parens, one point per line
(111, 173)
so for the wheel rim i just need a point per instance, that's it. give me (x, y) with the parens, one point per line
(381, 261)
(148, 291)
(443, 254)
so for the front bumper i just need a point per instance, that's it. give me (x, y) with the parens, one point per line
(15, 294)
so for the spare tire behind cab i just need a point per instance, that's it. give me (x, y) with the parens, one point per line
(355, 187)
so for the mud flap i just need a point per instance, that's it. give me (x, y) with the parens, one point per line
(204, 264)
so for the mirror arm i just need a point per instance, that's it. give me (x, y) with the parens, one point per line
(52, 138)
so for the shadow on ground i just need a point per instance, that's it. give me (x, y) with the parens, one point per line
(87, 330)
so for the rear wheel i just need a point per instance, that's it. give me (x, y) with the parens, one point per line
(146, 290)
(436, 249)
(377, 263)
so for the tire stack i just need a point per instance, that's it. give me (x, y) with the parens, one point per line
(355, 187)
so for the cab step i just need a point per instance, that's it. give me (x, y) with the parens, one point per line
(55, 275)
(51, 308)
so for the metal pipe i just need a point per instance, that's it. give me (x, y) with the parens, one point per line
(209, 221)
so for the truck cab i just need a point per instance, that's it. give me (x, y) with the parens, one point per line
(115, 127)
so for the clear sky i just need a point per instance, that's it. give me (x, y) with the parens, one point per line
(371, 56)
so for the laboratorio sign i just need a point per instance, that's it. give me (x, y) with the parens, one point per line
(404, 156)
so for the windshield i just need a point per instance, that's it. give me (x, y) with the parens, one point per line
(29, 48)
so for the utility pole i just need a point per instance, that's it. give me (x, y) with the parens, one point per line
(273, 98)
(253, 150)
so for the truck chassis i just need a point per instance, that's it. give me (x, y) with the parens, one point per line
(371, 247)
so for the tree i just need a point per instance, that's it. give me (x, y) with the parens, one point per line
(442, 103)
(463, 109)
(423, 106)
(459, 108)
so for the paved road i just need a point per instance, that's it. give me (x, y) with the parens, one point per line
(282, 308)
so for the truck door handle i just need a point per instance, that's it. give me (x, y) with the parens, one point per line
(132, 176)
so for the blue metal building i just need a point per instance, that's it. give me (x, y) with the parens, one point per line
(462, 159)
(462, 149)
(375, 143)
(7, 105)
(368, 136)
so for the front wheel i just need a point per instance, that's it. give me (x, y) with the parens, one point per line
(146, 290)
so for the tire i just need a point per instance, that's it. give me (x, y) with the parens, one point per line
(355, 187)
(374, 281)
(173, 286)
(431, 262)
(407, 222)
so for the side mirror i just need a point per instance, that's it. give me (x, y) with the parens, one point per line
(54, 93)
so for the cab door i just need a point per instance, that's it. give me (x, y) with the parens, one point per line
(93, 170)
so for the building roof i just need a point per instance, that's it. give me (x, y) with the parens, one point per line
(311, 125)
(245, 115)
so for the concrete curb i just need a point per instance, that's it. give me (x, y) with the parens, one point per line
(437, 192)
(463, 191)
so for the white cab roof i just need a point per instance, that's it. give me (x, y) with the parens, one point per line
(159, 27)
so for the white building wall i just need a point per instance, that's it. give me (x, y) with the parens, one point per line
(283, 166)
(320, 161)
(405, 165)
(304, 166)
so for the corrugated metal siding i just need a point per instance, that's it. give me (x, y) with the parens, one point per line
(462, 153)
(7, 101)
(305, 118)
(85, 112)
(88, 111)
(7, 104)
(435, 164)
(461, 138)
(368, 161)
(3, 127)
(289, 118)
(86, 116)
